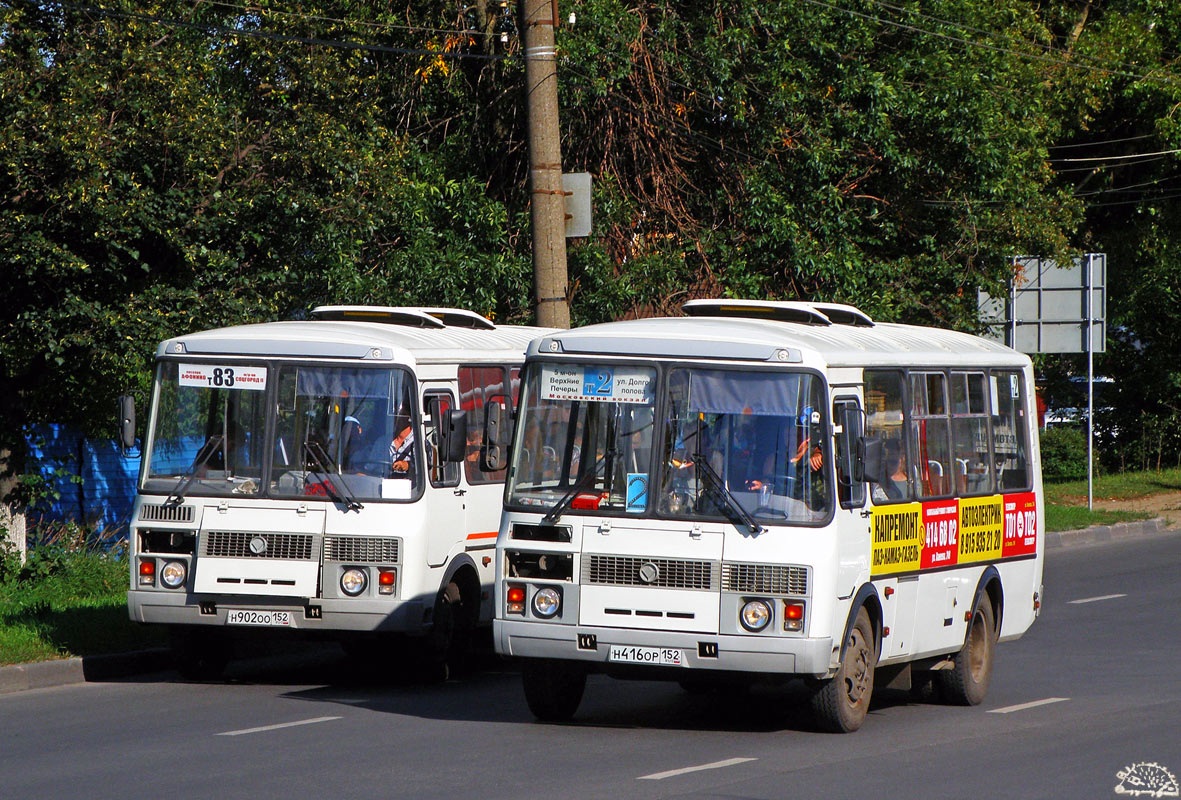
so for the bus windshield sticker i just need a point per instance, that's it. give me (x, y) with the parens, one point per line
(597, 384)
(637, 492)
(218, 376)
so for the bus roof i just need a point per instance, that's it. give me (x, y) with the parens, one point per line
(858, 343)
(409, 336)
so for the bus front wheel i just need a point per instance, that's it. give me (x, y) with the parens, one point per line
(553, 689)
(966, 683)
(841, 702)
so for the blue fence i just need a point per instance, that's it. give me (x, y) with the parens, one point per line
(105, 494)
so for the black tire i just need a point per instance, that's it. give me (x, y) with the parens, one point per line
(553, 689)
(199, 653)
(451, 633)
(966, 683)
(841, 702)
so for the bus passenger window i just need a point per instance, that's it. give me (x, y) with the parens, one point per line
(883, 421)
(969, 433)
(1009, 424)
(931, 469)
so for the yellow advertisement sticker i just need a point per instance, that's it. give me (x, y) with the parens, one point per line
(897, 538)
(982, 526)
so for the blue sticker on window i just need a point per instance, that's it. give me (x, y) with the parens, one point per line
(637, 492)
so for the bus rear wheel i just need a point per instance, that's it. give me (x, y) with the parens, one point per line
(553, 689)
(966, 683)
(841, 702)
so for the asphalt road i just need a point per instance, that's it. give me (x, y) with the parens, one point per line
(1092, 691)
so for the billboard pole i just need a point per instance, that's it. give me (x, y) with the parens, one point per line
(1090, 279)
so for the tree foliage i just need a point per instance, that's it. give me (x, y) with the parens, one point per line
(182, 165)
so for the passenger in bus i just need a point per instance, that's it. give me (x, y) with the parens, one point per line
(894, 465)
(402, 448)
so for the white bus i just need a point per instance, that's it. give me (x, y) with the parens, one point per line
(327, 475)
(765, 490)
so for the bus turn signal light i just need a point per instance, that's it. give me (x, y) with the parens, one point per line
(147, 572)
(515, 601)
(793, 616)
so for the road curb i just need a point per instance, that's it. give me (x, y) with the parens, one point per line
(1108, 533)
(46, 674)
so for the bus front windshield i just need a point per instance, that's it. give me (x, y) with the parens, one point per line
(732, 444)
(324, 432)
(587, 438)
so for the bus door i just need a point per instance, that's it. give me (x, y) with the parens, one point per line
(851, 521)
(445, 501)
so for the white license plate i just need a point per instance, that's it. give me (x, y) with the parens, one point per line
(241, 616)
(664, 656)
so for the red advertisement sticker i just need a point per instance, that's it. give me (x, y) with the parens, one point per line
(1020, 524)
(940, 533)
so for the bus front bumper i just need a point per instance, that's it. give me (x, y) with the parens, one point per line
(178, 608)
(762, 654)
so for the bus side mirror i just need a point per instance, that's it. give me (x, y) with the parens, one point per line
(870, 460)
(127, 421)
(453, 435)
(497, 435)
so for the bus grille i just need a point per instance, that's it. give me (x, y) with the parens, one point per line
(664, 573)
(361, 549)
(165, 513)
(235, 544)
(764, 579)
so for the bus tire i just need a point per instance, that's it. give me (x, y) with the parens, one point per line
(966, 683)
(199, 653)
(841, 702)
(553, 689)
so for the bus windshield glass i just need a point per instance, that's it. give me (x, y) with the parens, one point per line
(734, 444)
(210, 426)
(752, 439)
(587, 438)
(344, 430)
(341, 433)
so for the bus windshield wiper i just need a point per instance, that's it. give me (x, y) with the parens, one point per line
(177, 495)
(730, 501)
(552, 516)
(340, 491)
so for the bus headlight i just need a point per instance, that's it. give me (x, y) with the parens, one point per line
(173, 574)
(546, 602)
(353, 581)
(755, 615)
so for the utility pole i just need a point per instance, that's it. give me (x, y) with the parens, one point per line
(548, 202)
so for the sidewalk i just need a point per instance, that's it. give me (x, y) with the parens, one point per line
(45, 674)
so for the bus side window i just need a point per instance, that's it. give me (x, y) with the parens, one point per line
(846, 433)
(883, 421)
(441, 473)
(479, 387)
(930, 431)
(1010, 446)
(969, 433)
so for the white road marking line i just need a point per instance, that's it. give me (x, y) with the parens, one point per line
(729, 762)
(1033, 704)
(277, 727)
(1096, 599)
